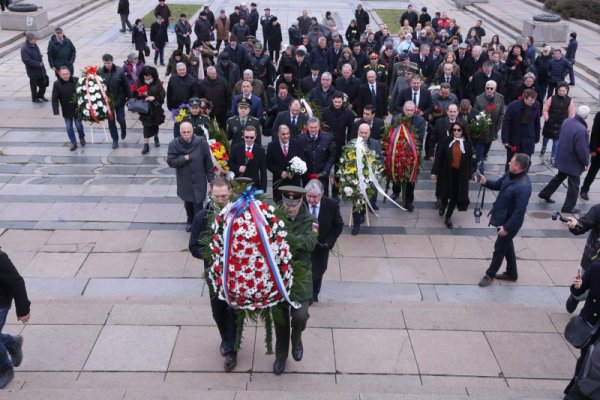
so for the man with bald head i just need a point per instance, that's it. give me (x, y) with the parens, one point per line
(375, 93)
(292, 118)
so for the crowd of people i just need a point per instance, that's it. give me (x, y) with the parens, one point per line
(332, 84)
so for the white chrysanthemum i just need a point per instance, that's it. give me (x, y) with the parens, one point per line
(348, 191)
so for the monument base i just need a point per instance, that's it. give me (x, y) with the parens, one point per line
(544, 32)
(36, 22)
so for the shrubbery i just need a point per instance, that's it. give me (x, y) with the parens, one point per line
(580, 9)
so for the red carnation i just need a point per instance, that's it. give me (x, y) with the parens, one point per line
(249, 155)
(249, 251)
(142, 90)
(513, 149)
(313, 176)
(491, 107)
(260, 286)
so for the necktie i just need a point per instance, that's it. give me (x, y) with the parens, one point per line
(293, 123)
(373, 95)
(314, 211)
(248, 149)
(447, 79)
(415, 98)
(243, 121)
(285, 150)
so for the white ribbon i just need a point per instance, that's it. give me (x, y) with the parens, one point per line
(229, 174)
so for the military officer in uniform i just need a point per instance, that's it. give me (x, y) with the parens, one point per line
(237, 124)
(196, 118)
(301, 222)
(379, 69)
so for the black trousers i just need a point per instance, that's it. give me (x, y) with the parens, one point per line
(191, 209)
(219, 41)
(38, 88)
(572, 189)
(286, 329)
(504, 249)
(319, 260)
(451, 202)
(225, 318)
(591, 174)
(409, 191)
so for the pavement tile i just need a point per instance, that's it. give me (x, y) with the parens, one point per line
(197, 350)
(349, 245)
(69, 212)
(532, 355)
(469, 271)
(555, 384)
(120, 241)
(68, 394)
(158, 212)
(113, 212)
(194, 268)
(332, 315)
(58, 347)
(473, 319)
(160, 265)
(54, 265)
(133, 348)
(44, 380)
(24, 212)
(23, 240)
(235, 380)
(127, 380)
(20, 259)
(365, 269)
(453, 353)
(318, 353)
(496, 294)
(356, 292)
(108, 265)
(144, 287)
(164, 394)
(560, 320)
(560, 272)
(416, 270)
(55, 287)
(295, 396)
(468, 383)
(415, 246)
(457, 247)
(378, 383)
(169, 241)
(553, 249)
(162, 314)
(58, 313)
(375, 351)
(292, 382)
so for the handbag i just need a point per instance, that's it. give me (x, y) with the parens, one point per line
(139, 106)
(46, 80)
(146, 51)
(579, 332)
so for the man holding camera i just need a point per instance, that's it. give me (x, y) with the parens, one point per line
(507, 215)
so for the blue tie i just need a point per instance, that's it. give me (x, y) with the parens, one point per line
(373, 95)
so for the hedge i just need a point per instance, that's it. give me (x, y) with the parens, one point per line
(580, 9)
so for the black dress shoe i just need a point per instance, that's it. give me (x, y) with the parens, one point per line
(279, 366)
(37, 100)
(355, 230)
(123, 135)
(571, 211)
(409, 206)
(442, 211)
(505, 277)
(82, 142)
(546, 199)
(230, 362)
(571, 305)
(115, 145)
(16, 354)
(298, 351)
(223, 349)
(45, 100)
(448, 223)
(395, 196)
(156, 142)
(584, 195)
(188, 227)
(146, 149)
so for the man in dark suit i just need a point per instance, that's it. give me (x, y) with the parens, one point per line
(237, 124)
(348, 83)
(323, 93)
(248, 159)
(441, 129)
(375, 93)
(311, 81)
(293, 118)
(425, 63)
(279, 153)
(256, 104)
(329, 227)
(318, 150)
(451, 79)
(418, 95)
(474, 63)
(480, 78)
(376, 124)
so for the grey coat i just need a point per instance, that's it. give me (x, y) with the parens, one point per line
(192, 174)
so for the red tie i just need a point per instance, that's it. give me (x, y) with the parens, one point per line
(285, 151)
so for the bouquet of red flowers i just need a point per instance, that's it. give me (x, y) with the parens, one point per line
(401, 154)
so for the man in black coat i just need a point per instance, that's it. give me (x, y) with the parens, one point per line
(348, 83)
(116, 86)
(183, 30)
(369, 118)
(159, 38)
(36, 72)
(203, 27)
(61, 51)
(237, 53)
(279, 153)
(474, 63)
(329, 225)
(182, 86)
(416, 92)
(248, 159)
(318, 151)
(424, 62)
(451, 79)
(252, 20)
(12, 286)
(441, 129)
(222, 313)
(301, 66)
(311, 81)
(375, 93)
(62, 93)
(216, 90)
(480, 78)
(323, 93)
(123, 11)
(292, 118)
(411, 16)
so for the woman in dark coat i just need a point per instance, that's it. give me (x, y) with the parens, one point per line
(352, 34)
(362, 19)
(139, 39)
(453, 167)
(155, 95)
(275, 39)
(516, 66)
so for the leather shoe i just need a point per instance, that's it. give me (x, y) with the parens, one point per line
(409, 206)
(37, 100)
(82, 142)
(395, 196)
(123, 135)
(223, 349)
(546, 199)
(448, 223)
(115, 145)
(73, 147)
(16, 354)
(279, 366)
(44, 99)
(571, 305)
(572, 211)
(505, 277)
(6, 377)
(298, 351)
(442, 211)
(355, 230)
(584, 195)
(486, 281)
(188, 227)
(230, 362)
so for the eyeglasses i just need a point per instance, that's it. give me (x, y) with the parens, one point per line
(374, 58)
(456, 130)
(249, 137)
(489, 88)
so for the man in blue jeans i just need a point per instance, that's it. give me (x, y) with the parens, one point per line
(117, 87)
(62, 93)
(12, 286)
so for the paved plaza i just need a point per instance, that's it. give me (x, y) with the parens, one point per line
(119, 309)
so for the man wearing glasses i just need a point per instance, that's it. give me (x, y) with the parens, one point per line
(248, 159)
(492, 103)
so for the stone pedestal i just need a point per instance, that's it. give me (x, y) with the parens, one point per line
(544, 32)
(461, 4)
(36, 22)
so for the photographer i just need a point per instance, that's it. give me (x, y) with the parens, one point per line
(507, 215)
(589, 222)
